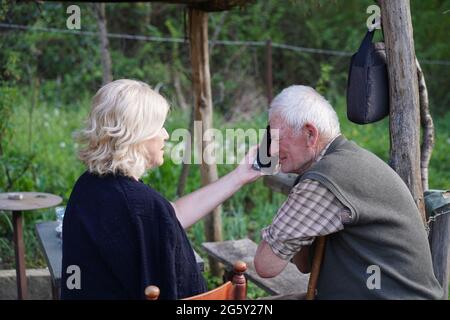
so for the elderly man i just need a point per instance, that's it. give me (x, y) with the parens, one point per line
(373, 227)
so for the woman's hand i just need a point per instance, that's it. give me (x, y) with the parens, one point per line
(244, 172)
(194, 206)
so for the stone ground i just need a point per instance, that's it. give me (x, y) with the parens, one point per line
(39, 285)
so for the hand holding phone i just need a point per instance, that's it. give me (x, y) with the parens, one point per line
(264, 161)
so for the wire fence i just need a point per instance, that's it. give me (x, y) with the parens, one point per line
(217, 42)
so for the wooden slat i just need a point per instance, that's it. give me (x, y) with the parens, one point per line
(439, 237)
(224, 292)
(289, 281)
(209, 5)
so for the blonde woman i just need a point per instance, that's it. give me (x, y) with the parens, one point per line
(122, 234)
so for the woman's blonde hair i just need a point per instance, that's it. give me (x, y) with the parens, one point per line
(124, 114)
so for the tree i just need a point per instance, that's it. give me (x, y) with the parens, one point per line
(99, 9)
(404, 96)
(201, 79)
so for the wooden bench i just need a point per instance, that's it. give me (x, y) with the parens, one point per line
(227, 252)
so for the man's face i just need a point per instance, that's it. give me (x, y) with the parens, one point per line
(295, 150)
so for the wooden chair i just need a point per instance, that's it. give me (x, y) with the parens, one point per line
(235, 289)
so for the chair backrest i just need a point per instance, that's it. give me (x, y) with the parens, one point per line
(236, 289)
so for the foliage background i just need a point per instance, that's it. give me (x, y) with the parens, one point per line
(47, 80)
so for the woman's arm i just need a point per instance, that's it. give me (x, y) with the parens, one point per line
(194, 206)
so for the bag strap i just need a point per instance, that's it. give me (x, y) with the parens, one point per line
(360, 57)
(365, 44)
(315, 269)
(368, 39)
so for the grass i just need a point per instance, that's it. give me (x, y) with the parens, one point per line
(54, 168)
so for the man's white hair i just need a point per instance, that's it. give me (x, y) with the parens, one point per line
(298, 105)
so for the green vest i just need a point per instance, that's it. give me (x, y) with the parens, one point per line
(386, 233)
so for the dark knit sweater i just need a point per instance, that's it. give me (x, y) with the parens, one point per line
(124, 236)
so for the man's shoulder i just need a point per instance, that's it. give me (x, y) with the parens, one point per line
(305, 185)
(349, 158)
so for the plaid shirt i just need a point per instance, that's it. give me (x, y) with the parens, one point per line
(310, 210)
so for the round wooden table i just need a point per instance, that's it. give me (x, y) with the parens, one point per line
(17, 202)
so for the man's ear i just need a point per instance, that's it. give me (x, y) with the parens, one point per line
(312, 134)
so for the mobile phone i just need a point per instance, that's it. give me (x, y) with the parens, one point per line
(263, 158)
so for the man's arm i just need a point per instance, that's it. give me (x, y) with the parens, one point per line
(301, 260)
(267, 263)
(310, 210)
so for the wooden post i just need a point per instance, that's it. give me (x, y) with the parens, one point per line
(319, 252)
(404, 96)
(439, 238)
(239, 281)
(269, 79)
(203, 111)
(104, 42)
(19, 248)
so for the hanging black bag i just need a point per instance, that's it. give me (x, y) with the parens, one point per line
(368, 86)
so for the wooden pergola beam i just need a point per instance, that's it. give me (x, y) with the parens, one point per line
(209, 5)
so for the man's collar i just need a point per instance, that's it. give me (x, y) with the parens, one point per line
(322, 153)
(324, 150)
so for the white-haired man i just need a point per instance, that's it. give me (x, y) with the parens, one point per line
(347, 193)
